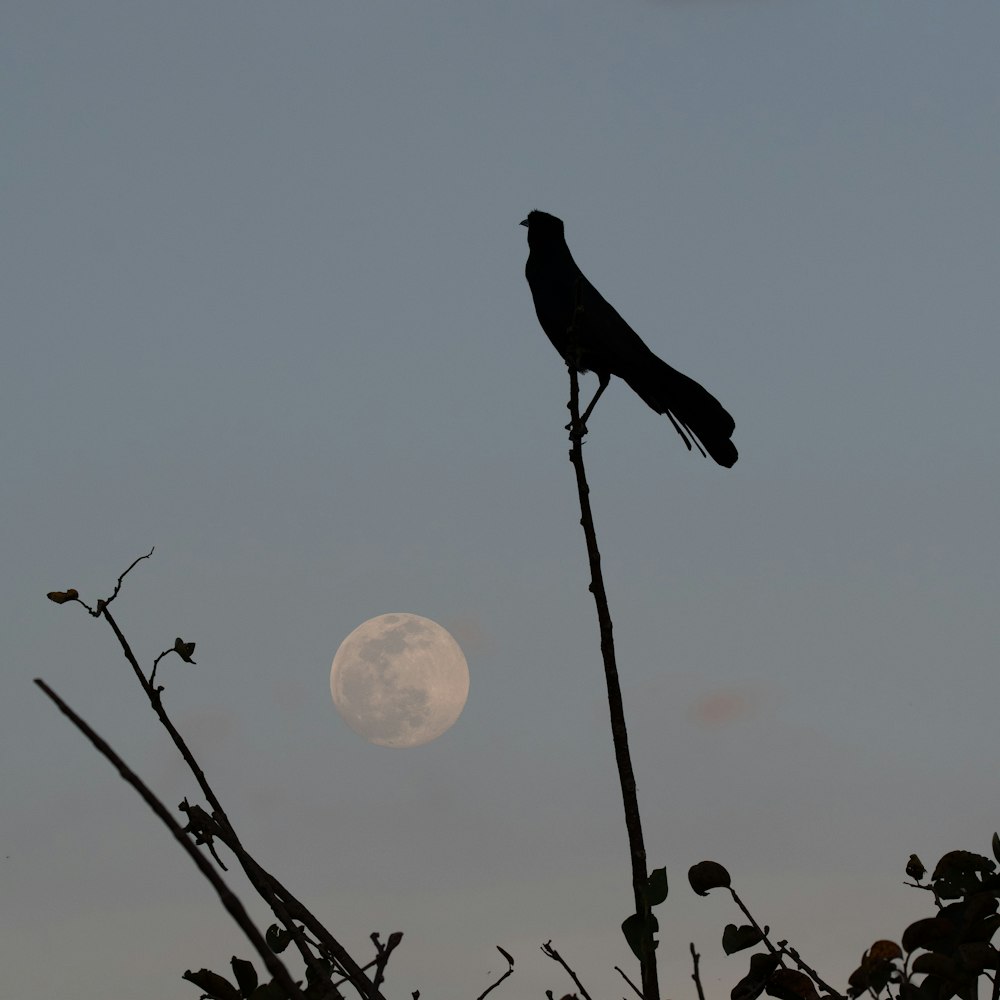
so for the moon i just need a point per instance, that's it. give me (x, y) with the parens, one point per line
(399, 680)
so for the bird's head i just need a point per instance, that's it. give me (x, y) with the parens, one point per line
(543, 227)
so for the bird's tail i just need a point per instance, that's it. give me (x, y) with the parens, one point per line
(695, 413)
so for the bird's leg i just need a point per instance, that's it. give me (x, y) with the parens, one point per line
(581, 428)
(605, 380)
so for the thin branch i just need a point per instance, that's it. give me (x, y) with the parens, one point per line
(382, 953)
(118, 586)
(621, 973)
(696, 975)
(547, 949)
(619, 730)
(762, 931)
(782, 949)
(811, 973)
(510, 969)
(234, 907)
(283, 903)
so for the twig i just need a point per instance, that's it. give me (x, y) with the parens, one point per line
(382, 953)
(283, 903)
(235, 908)
(696, 975)
(118, 586)
(619, 730)
(510, 969)
(783, 949)
(812, 973)
(629, 981)
(547, 949)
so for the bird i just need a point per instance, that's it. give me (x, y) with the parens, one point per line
(590, 335)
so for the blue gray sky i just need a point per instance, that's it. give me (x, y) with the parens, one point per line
(265, 309)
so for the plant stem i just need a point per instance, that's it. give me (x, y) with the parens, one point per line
(619, 731)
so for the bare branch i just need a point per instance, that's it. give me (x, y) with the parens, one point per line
(551, 952)
(629, 981)
(233, 906)
(619, 730)
(382, 953)
(283, 903)
(118, 586)
(696, 975)
(510, 969)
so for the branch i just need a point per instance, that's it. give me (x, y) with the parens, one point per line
(619, 731)
(547, 949)
(285, 906)
(234, 907)
(510, 969)
(696, 975)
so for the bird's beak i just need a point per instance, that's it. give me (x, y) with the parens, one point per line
(524, 222)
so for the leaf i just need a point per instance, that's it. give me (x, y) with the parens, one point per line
(735, 938)
(884, 950)
(927, 933)
(269, 991)
(977, 956)
(277, 938)
(752, 984)
(507, 955)
(996, 846)
(185, 650)
(708, 875)
(958, 873)
(633, 927)
(790, 984)
(214, 986)
(935, 964)
(63, 596)
(656, 887)
(246, 975)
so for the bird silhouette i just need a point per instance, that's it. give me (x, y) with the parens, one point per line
(590, 335)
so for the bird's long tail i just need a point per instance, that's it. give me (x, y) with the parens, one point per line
(695, 413)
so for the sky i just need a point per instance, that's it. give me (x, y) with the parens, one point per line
(264, 309)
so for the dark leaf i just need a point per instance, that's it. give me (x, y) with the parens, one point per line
(877, 969)
(735, 938)
(790, 984)
(185, 650)
(752, 984)
(212, 984)
(982, 930)
(62, 596)
(958, 873)
(634, 928)
(269, 991)
(977, 955)
(319, 979)
(393, 942)
(507, 955)
(708, 875)
(996, 846)
(928, 933)
(884, 951)
(935, 964)
(277, 938)
(656, 889)
(246, 975)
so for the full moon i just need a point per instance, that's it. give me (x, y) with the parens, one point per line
(399, 680)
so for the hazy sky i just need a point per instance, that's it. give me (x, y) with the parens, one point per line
(264, 308)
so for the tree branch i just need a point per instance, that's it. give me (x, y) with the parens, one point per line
(619, 730)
